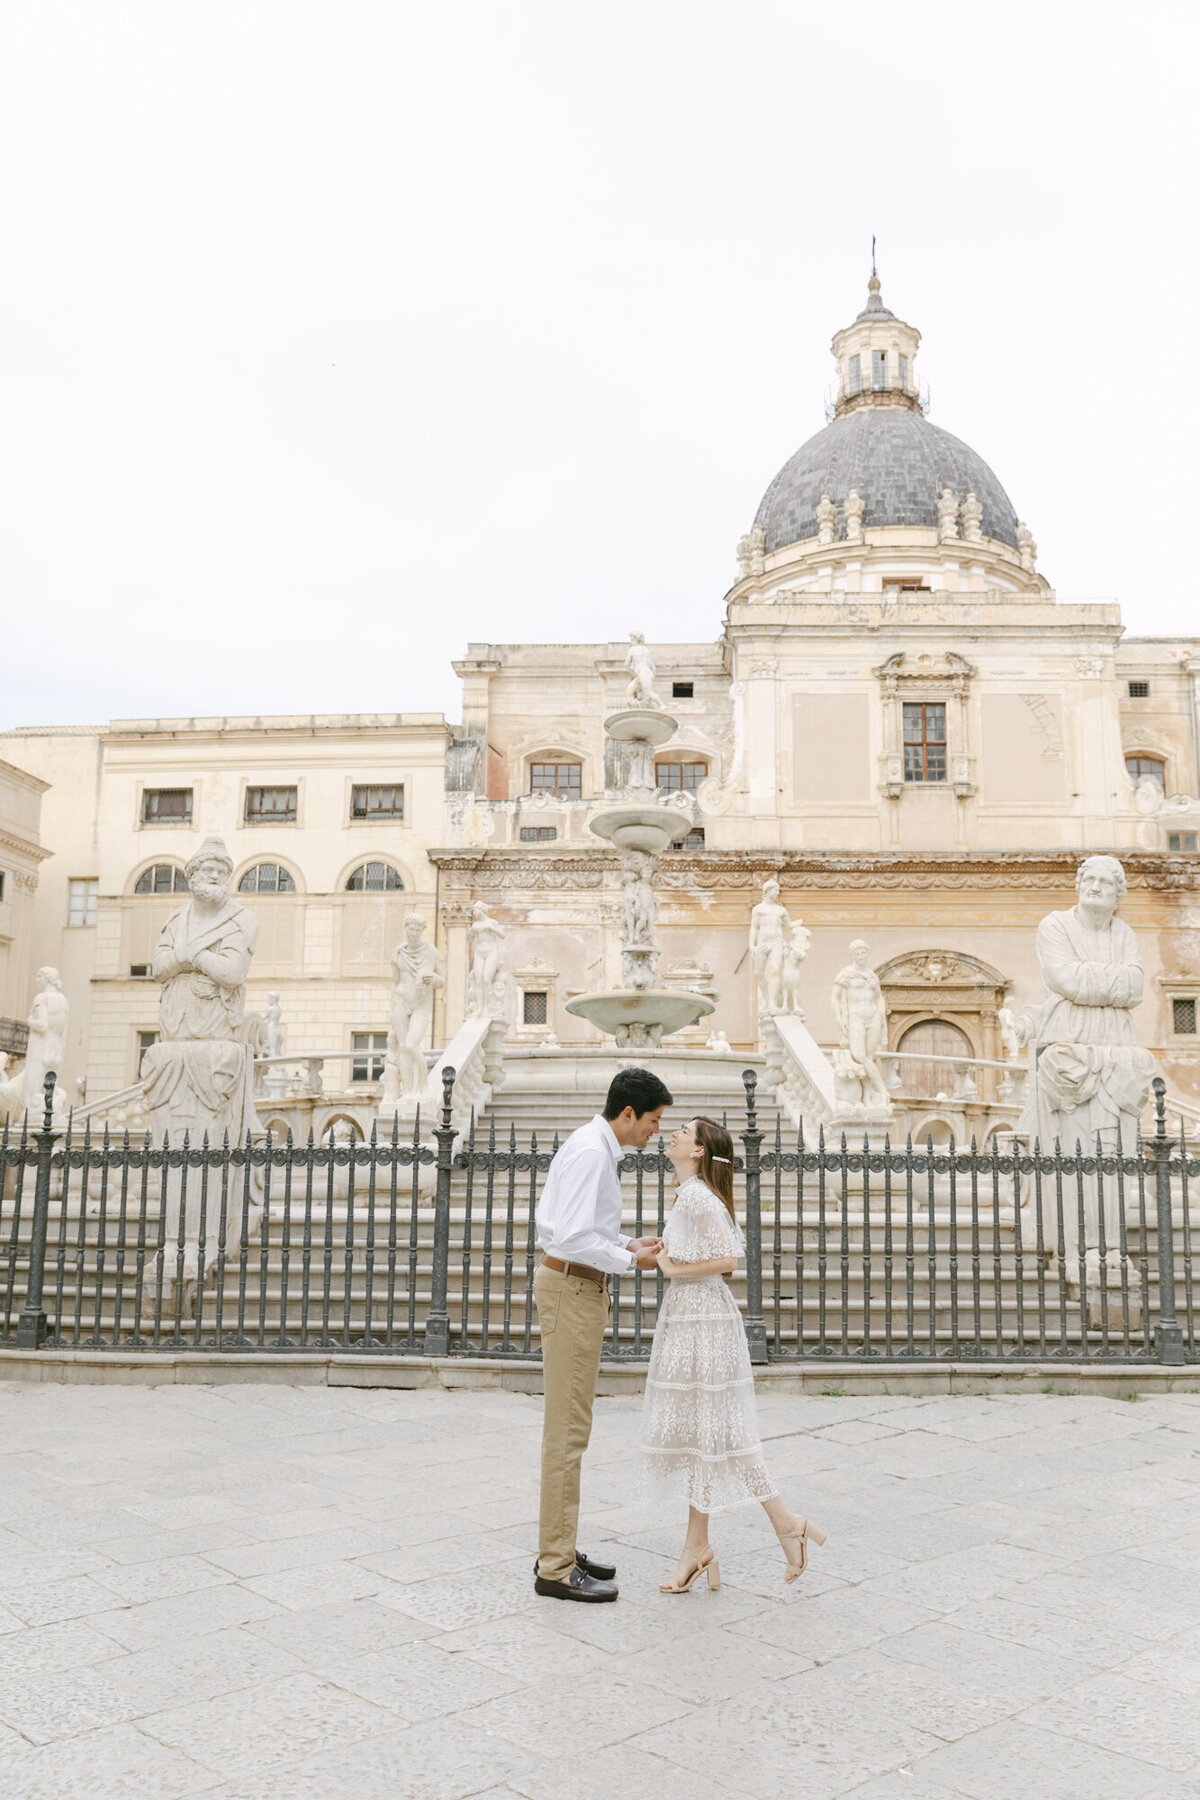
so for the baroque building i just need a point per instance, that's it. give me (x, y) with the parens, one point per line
(898, 720)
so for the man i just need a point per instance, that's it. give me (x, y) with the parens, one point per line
(579, 1231)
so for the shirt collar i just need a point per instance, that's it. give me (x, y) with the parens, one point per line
(608, 1138)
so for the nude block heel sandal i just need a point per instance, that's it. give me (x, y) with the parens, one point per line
(804, 1530)
(707, 1565)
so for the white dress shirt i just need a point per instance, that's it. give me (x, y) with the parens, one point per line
(579, 1213)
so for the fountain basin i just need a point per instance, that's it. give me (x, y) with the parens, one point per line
(648, 827)
(641, 725)
(638, 1018)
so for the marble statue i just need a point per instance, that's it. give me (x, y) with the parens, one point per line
(485, 981)
(795, 950)
(770, 924)
(1010, 1035)
(854, 517)
(1026, 547)
(758, 550)
(1092, 1079)
(417, 974)
(743, 556)
(197, 1078)
(826, 520)
(273, 1027)
(719, 1041)
(972, 518)
(947, 514)
(48, 1017)
(861, 1014)
(639, 903)
(640, 664)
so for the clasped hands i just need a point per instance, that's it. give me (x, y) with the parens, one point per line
(646, 1251)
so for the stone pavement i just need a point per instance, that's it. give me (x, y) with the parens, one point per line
(277, 1593)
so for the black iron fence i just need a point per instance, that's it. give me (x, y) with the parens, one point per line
(425, 1245)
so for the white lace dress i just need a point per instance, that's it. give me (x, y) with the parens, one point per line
(699, 1424)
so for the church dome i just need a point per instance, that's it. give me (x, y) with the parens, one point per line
(881, 446)
(898, 462)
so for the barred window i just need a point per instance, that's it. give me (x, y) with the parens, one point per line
(161, 878)
(274, 805)
(680, 777)
(1183, 1018)
(166, 806)
(533, 1007)
(924, 741)
(83, 900)
(368, 1066)
(562, 779)
(374, 878)
(1139, 690)
(1145, 768)
(377, 802)
(538, 834)
(267, 878)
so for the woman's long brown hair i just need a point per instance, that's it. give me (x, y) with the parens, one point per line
(716, 1159)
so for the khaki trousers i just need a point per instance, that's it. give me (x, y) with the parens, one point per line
(573, 1315)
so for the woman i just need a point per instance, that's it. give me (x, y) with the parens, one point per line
(700, 1433)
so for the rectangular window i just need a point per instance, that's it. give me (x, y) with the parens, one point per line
(680, 777)
(682, 690)
(533, 1008)
(538, 834)
(83, 897)
(904, 373)
(856, 374)
(1139, 690)
(562, 779)
(368, 1066)
(377, 803)
(924, 742)
(693, 841)
(271, 805)
(878, 369)
(1183, 1018)
(144, 1041)
(140, 971)
(1145, 768)
(166, 806)
(2, 880)
(1183, 840)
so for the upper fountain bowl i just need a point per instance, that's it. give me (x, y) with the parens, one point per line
(641, 725)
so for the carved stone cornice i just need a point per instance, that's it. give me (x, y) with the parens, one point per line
(20, 846)
(579, 867)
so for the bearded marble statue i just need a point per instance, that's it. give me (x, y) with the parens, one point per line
(198, 1077)
(1092, 1078)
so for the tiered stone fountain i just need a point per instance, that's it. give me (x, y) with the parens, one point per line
(638, 1013)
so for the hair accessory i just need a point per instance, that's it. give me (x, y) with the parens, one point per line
(718, 1159)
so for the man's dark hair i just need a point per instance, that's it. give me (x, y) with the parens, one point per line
(637, 1088)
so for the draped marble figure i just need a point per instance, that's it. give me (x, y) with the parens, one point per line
(1092, 1077)
(48, 1019)
(197, 1078)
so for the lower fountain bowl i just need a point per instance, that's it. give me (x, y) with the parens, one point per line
(637, 1018)
(648, 827)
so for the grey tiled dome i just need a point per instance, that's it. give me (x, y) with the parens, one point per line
(899, 463)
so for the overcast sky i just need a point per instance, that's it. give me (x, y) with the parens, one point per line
(335, 336)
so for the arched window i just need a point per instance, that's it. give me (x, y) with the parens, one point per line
(267, 878)
(562, 779)
(932, 1037)
(161, 878)
(374, 878)
(680, 777)
(1145, 768)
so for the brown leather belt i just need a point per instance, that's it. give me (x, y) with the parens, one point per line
(573, 1268)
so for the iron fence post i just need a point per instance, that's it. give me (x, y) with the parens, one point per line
(756, 1325)
(437, 1325)
(1169, 1337)
(31, 1325)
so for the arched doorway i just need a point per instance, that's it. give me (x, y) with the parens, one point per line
(932, 1037)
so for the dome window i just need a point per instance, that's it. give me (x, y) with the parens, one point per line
(904, 373)
(854, 383)
(879, 379)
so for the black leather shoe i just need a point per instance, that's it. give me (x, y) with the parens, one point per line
(597, 1570)
(577, 1586)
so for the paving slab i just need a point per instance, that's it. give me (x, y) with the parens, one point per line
(259, 1590)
